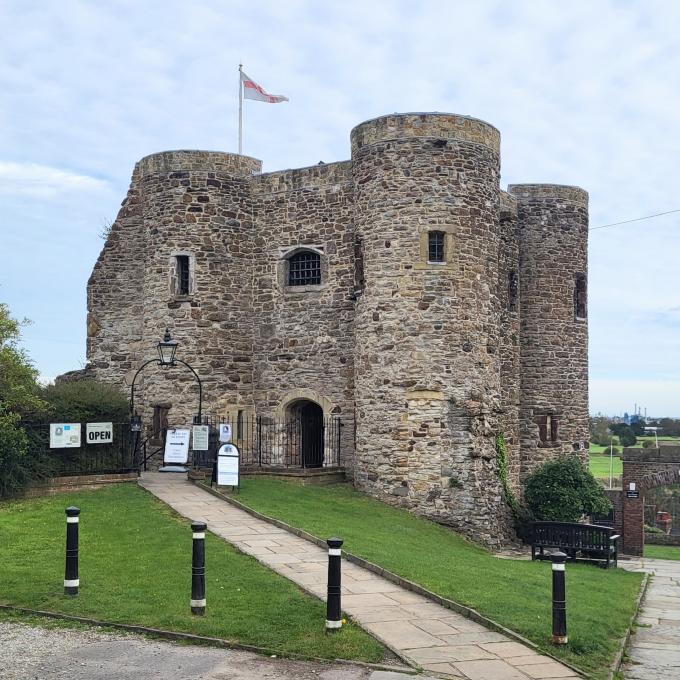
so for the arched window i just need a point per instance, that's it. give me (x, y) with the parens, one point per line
(435, 246)
(304, 269)
(580, 297)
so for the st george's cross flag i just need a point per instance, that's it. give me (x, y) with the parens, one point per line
(251, 90)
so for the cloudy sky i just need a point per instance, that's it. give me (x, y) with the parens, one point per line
(584, 93)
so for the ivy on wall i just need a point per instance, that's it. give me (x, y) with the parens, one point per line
(502, 471)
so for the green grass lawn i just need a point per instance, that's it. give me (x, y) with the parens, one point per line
(514, 593)
(599, 466)
(663, 552)
(135, 567)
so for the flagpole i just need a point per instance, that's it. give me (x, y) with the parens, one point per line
(240, 111)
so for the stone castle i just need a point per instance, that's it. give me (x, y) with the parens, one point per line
(401, 293)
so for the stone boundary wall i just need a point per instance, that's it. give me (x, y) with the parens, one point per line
(647, 469)
(661, 539)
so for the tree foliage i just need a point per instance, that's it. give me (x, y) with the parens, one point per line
(19, 390)
(20, 396)
(599, 431)
(563, 490)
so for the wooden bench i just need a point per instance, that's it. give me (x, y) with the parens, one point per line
(581, 542)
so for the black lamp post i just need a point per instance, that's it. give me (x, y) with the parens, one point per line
(167, 348)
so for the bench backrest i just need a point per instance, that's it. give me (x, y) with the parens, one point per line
(573, 535)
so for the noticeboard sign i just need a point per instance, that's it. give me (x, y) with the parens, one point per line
(64, 435)
(200, 435)
(177, 447)
(228, 469)
(99, 433)
(225, 432)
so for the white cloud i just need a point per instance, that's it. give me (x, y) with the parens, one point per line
(42, 181)
(583, 93)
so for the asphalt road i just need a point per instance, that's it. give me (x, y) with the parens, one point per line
(31, 653)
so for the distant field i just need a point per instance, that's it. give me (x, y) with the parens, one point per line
(599, 466)
(599, 456)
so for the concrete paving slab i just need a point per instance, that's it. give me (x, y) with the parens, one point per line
(431, 635)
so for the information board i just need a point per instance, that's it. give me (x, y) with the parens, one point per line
(228, 465)
(200, 437)
(99, 433)
(177, 447)
(225, 432)
(64, 435)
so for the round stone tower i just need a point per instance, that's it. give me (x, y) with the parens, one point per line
(427, 323)
(197, 215)
(553, 251)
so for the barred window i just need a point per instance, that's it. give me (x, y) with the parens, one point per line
(580, 297)
(182, 274)
(304, 269)
(435, 246)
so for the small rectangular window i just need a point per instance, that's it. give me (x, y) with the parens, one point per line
(239, 424)
(435, 246)
(548, 428)
(182, 275)
(513, 288)
(304, 269)
(580, 297)
(359, 282)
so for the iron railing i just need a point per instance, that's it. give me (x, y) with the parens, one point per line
(272, 442)
(116, 457)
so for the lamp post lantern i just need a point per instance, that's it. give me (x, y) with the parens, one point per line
(167, 349)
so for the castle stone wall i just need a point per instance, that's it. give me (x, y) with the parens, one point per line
(423, 362)
(115, 300)
(199, 204)
(304, 336)
(553, 227)
(427, 334)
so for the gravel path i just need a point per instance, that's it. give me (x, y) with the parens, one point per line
(31, 653)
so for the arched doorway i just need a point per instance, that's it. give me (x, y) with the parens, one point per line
(306, 425)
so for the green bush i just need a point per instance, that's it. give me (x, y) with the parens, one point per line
(563, 490)
(648, 444)
(18, 466)
(85, 400)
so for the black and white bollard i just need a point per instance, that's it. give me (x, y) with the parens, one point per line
(198, 568)
(559, 597)
(71, 580)
(333, 604)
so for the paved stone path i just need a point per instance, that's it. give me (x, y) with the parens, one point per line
(435, 638)
(654, 649)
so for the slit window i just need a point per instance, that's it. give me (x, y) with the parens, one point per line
(435, 246)
(580, 297)
(304, 269)
(359, 282)
(239, 424)
(548, 428)
(513, 289)
(182, 274)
